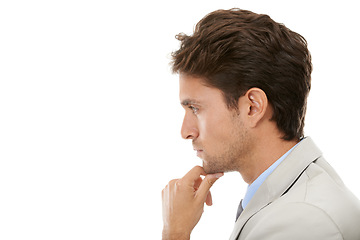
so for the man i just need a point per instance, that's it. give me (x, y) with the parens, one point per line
(244, 82)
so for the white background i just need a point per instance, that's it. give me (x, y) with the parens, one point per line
(90, 117)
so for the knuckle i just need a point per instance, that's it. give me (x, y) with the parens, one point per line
(210, 181)
(172, 182)
(178, 184)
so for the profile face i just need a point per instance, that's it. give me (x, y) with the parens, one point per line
(219, 135)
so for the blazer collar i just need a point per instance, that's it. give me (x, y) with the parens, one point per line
(279, 181)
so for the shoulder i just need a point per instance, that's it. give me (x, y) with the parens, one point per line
(317, 206)
(294, 220)
(326, 191)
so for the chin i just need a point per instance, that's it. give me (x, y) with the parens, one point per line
(210, 168)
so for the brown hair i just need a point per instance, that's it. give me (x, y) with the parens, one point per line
(235, 50)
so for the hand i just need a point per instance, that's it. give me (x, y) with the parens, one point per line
(183, 202)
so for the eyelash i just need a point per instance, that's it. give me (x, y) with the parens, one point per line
(195, 110)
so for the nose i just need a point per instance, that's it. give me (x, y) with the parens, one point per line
(189, 129)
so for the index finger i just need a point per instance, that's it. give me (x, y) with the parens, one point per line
(193, 175)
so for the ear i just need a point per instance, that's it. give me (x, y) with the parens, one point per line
(256, 106)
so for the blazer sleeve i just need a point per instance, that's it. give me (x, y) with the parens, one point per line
(295, 221)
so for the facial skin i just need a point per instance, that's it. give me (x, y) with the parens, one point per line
(219, 134)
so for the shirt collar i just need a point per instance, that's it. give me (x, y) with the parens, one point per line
(253, 187)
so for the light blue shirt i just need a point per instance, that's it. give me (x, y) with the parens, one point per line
(252, 188)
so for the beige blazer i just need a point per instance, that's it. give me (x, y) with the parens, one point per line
(303, 199)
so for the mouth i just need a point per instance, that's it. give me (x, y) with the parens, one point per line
(198, 152)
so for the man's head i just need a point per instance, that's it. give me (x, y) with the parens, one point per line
(248, 65)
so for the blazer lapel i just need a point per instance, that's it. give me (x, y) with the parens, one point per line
(279, 182)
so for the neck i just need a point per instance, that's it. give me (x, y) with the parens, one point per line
(265, 152)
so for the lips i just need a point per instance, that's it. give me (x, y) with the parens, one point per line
(198, 152)
(197, 149)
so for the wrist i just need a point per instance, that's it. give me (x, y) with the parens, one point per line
(171, 235)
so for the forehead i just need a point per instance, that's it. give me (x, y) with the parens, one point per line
(194, 90)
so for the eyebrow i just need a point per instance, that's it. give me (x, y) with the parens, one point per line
(188, 102)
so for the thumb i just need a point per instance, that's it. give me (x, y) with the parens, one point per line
(206, 184)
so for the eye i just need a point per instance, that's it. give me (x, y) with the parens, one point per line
(195, 110)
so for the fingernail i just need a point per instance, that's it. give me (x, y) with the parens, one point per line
(219, 175)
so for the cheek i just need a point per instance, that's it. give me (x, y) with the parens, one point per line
(214, 131)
